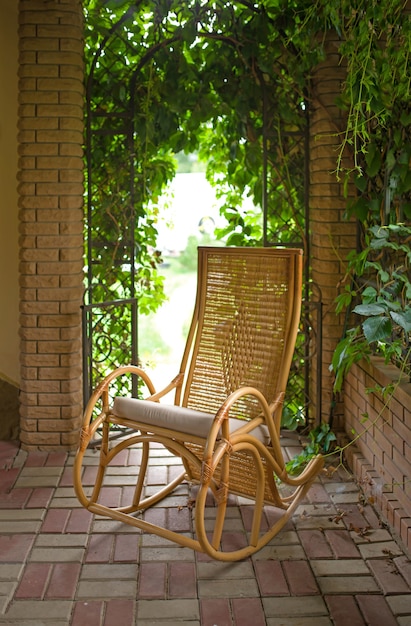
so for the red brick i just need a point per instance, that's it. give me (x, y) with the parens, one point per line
(157, 475)
(182, 580)
(215, 611)
(388, 576)
(342, 544)
(36, 459)
(40, 498)
(33, 582)
(300, 578)
(7, 479)
(376, 610)
(63, 581)
(99, 548)
(152, 580)
(270, 578)
(55, 521)
(80, 521)
(344, 611)
(248, 611)
(126, 548)
(120, 613)
(87, 614)
(315, 544)
(156, 516)
(233, 541)
(15, 548)
(179, 520)
(110, 496)
(16, 499)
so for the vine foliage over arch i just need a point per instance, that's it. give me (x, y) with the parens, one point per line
(231, 81)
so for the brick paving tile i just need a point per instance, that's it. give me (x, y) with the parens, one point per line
(119, 613)
(341, 544)
(56, 459)
(33, 581)
(179, 520)
(152, 580)
(110, 496)
(7, 479)
(247, 611)
(403, 564)
(126, 548)
(15, 548)
(55, 521)
(271, 579)
(347, 584)
(182, 580)
(318, 493)
(400, 604)
(8, 451)
(247, 518)
(376, 611)
(344, 611)
(215, 611)
(218, 570)
(99, 548)
(79, 521)
(315, 544)
(35, 611)
(154, 610)
(156, 516)
(36, 459)
(16, 499)
(339, 567)
(40, 497)
(63, 580)
(295, 607)
(87, 613)
(388, 576)
(106, 589)
(359, 517)
(234, 541)
(300, 578)
(332, 565)
(228, 588)
(297, 621)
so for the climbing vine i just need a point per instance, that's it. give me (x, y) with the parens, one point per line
(232, 82)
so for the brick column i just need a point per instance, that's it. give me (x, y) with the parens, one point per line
(332, 236)
(51, 220)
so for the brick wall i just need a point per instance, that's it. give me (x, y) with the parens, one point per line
(381, 456)
(332, 236)
(50, 220)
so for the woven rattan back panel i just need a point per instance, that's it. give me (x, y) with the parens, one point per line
(248, 306)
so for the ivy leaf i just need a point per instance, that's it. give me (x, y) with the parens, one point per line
(373, 159)
(403, 319)
(377, 328)
(369, 295)
(369, 309)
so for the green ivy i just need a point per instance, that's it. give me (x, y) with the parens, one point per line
(378, 293)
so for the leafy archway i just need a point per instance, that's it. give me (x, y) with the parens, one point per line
(233, 80)
(169, 76)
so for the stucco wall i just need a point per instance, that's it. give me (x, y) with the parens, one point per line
(9, 350)
(9, 289)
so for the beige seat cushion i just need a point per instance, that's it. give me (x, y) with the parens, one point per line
(176, 418)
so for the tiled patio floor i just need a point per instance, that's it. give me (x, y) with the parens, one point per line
(334, 565)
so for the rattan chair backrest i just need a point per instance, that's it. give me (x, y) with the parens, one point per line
(244, 326)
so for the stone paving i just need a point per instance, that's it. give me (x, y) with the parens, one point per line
(335, 563)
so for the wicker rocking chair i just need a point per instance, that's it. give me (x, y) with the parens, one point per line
(224, 421)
